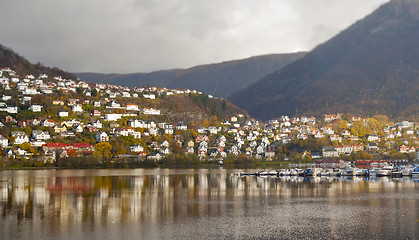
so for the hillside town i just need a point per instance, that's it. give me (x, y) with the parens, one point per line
(47, 118)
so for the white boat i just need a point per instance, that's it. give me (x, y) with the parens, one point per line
(282, 172)
(396, 172)
(287, 172)
(373, 172)
(407, 171)
(354, 172)
(296, 172)
(326, 172)
(384, 171)
(273, 172)
(415, 172)
(313, 172)
(335, 173)
(342, 172)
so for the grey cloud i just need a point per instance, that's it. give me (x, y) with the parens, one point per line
(145, 35)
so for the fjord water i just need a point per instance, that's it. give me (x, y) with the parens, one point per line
(202, 204)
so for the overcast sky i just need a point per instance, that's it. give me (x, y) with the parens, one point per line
(144, 35)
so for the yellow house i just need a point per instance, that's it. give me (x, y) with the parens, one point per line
(58, 102)
(60, 128)
(191, 144)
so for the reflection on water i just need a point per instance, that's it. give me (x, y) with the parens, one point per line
(161, 203)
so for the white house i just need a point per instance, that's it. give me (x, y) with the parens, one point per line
(63, 114)
(48, 123)
(78, 128)
(35, 108)
(302, 136)
(30, 91)
(37, 143)
(153, 131)
(329, 152)
(168, 131)
(112, 116)
(20, 137)
(115, 104)
(136, 148)
(4, 142)
(335, 137)
(372, 137)
(40, 135)
(10, 109)
(181, 126)
(137, 123)
(135, 134)
(101, 137)
(151, 111)
(97, 124)
(149, 96)
(77, 108)
(132, 107)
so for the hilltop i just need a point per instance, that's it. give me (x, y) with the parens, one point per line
(219, 79)
(369, 68)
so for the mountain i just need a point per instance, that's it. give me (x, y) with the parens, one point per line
(8, 58)
(369, 68)
(220, 79)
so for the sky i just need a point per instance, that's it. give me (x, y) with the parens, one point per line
(128, 36)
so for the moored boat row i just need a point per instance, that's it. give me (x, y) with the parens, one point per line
(388, 170)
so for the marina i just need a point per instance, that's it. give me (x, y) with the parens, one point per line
(385, 171)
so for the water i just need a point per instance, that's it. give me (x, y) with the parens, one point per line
(202, 204)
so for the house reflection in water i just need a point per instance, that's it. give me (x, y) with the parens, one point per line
(54, 202)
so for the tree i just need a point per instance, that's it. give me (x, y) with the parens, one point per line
(103, 150)
(28, 147)
(175, 146)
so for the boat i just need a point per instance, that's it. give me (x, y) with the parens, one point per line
(335, 173)
(407, 171)
(240, 174)
(415, 172)
(365, 172)
(372, 172)
(311, 172)
(282, 172)
(352, 172)
(396, 172)
(296, 172)
(326, 172)
(341, 172)
(384, 171)
(262, 173)
(287, 172)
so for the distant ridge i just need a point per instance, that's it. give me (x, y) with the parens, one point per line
(219, 79)
(8, 58)
(370, 68)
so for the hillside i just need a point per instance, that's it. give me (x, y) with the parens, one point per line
(370, 68)
(8, 58)
(220, 79)
(188, 108)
